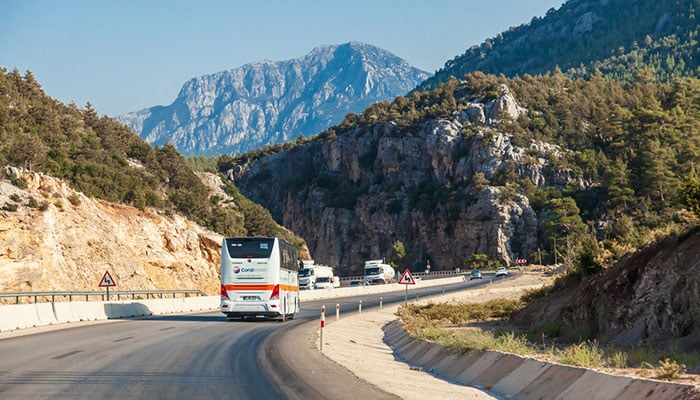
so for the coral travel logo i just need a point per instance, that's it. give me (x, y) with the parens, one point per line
(236, 269)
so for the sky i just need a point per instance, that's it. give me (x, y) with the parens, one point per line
(127, 55)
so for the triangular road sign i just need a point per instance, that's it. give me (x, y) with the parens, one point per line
(407, 278)
(107, 280)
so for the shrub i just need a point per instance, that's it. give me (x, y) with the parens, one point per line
(18, 181)
(10, 207)
(619, 359)
(669, 370)
(586, 354)
(534, 294)
(74, 199)
(32, 203)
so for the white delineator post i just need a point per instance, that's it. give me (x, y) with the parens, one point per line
(381, 300)
(323, 325)
(337, 311)
(359, 307)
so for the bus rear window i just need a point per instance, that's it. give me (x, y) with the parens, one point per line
(249, 247)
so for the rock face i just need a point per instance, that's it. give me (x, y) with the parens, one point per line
(652, 296)
(272, 102)
(352, 197)
(66, 241)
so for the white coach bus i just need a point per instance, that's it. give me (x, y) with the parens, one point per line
(259, 278)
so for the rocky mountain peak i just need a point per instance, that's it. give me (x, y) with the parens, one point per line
(271, 102)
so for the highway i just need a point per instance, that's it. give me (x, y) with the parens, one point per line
(187, 356)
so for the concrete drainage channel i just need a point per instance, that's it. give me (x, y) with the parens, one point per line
(527, 379)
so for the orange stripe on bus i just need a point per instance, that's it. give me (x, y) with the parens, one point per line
(261, 287)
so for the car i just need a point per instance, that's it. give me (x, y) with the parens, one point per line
(377, 281)
(501, 271)
(476, 274)
(417, 278)
(355, 283)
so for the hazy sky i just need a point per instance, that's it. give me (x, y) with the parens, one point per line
(125, 55)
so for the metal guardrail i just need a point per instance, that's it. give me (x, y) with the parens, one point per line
(102, 295)
(423, 275)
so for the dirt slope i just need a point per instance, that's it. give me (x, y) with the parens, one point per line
(54, 242)
(651, 296)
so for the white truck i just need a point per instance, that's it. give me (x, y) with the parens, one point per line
(307, 276)
(324, 277)
(314, 276)
(378, 273)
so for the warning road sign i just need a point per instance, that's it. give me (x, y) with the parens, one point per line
(407, 278)
(107, 280)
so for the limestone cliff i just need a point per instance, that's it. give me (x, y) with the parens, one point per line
(52, 238)
(351, 197)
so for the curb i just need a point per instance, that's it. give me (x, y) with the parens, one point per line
(523, 378)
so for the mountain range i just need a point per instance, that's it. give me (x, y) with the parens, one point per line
(623, 39)
(271, 102)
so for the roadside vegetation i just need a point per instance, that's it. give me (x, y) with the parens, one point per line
(102, 158)
(463, 327)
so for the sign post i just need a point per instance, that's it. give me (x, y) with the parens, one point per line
(107, 282)
(406, 279)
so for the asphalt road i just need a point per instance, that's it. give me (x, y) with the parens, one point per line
(186, 357)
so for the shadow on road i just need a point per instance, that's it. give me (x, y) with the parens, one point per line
(198, 318)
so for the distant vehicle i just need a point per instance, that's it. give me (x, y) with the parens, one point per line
(501, 271)
(324, 277)
(377, 281)
(307, 279)
(377, 269)
(476, 274)
(355, 283)
(259, 278)
(313, 276)
(417, 278)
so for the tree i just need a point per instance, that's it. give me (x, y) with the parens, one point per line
(689, 192)
(479, 181)
(562, 223)
(398, 254)
(620, 194)
(477, 261)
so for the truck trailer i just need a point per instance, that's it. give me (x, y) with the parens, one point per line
(377, 272)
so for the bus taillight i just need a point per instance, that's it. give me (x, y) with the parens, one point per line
(275, 293)
(224, 293)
